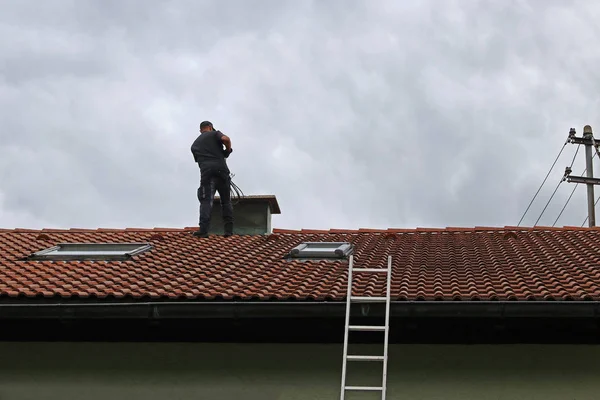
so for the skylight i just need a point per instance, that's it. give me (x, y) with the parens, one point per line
(322, 250)
(91, 251)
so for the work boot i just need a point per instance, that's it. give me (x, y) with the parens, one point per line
(201, 234)
(228, 229)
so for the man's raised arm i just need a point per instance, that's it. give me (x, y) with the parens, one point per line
(226, 141)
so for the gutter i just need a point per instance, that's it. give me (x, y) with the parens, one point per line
(273, 310)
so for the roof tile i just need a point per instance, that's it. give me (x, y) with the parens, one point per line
(464, 264)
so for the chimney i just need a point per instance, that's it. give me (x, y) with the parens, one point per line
(251, 214)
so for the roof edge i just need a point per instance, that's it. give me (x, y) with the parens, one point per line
(237, 310)
(449, 229)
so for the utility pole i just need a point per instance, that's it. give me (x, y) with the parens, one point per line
(590, 146)
(587, 135)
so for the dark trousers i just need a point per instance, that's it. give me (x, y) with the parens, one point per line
(215, 180)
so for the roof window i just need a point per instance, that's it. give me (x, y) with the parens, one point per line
(321, 250)
(91, 251)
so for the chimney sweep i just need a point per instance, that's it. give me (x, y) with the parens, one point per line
(214, 176)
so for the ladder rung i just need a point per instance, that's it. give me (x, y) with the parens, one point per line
(365, 388)
(362, 299)
(369, 270)
(365, 358)
(366, 328)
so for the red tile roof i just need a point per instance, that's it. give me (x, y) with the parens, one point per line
(428, 264)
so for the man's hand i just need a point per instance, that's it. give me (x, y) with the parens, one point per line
(226, 152)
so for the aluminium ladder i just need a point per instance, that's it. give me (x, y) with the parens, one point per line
(368, 328)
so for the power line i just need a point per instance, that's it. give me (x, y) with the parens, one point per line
(586, 218)
(565, 206)
(547, 175)
(548, 203)
(557, 186)
(572, 192)
(590, 143)
(575, 155)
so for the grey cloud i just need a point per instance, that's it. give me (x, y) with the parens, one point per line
(355, 114)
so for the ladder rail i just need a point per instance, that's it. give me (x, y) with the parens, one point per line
(347, 330)
(387, 327)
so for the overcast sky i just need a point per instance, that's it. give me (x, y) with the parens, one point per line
(375, 113)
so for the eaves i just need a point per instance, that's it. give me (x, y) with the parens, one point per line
(314, 309)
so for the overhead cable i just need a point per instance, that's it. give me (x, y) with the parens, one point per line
(540, 188)
(586, 218)
(557, 186)
(548, 203)
(572, 192)
(565, 206)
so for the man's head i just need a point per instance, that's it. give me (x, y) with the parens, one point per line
(206, 126)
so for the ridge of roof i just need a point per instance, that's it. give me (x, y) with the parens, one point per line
(450, 229)
(441, 230)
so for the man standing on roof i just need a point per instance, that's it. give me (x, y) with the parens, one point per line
(214, 176)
